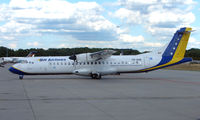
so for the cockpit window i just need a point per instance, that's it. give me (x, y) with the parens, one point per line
(23, 61)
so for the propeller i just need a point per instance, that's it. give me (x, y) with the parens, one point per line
(73, 57)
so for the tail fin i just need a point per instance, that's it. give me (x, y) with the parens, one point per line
(31, 54)
(175, 51)
(178, 44)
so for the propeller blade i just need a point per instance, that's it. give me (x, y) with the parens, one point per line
(73, 57)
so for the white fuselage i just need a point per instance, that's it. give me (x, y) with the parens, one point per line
(111, 65)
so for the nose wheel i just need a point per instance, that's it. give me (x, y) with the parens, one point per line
(21, 77)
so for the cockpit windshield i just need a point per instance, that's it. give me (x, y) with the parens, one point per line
(23, 61)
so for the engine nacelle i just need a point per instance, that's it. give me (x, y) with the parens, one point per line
(88, 72)
(85, 72)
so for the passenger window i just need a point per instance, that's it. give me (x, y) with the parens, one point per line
(91, 63)
(102, 62)
(88, 63)
(61, 63)
(99, 62)
(133, 61)
(138, 61)
(95, 62)
(57, 63)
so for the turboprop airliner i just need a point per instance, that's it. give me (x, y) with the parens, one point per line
(102, 63)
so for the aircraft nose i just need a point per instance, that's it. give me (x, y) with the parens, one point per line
(15, 70)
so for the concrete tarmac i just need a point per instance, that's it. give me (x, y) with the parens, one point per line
(157, 95)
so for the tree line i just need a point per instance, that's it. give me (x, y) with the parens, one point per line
(194, 52)
(60, 51)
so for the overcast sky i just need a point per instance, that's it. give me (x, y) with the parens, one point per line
(136, 24)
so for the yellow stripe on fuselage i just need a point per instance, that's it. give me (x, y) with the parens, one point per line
(179, 53)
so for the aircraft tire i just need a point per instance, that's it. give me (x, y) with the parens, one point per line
(96, 76)
(21, 77)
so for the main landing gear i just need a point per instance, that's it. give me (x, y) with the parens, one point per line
(21, 77)
(96, 76)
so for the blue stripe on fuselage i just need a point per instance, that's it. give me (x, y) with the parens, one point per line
(179, 62)
(16, 71)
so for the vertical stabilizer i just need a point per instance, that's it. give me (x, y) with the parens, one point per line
(174, 52)
(178, 44)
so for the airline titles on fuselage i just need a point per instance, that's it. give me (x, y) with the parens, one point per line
(52, 59)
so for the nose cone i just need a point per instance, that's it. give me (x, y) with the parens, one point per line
(15, 70)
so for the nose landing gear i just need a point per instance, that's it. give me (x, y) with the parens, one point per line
(21, 77)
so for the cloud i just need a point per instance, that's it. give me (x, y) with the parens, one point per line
(63, 46)
(129, 38)
(12, 45)
(193, 43)
(88, 24)
(153, 44)
(156, 15)
(82, 20)
(134, 17)
(13, 27)
(7, 37)
(33, 44)
(138, 42)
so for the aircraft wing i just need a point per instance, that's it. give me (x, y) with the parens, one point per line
(102, 54)
(85, 57)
